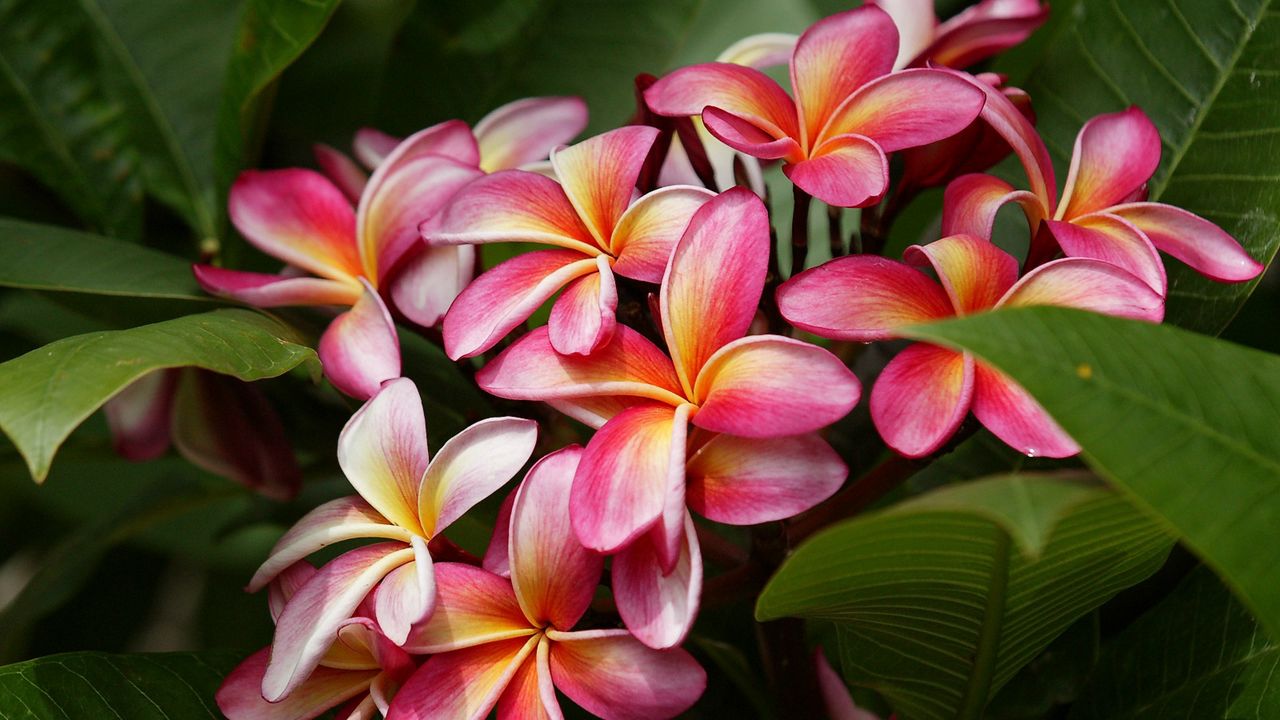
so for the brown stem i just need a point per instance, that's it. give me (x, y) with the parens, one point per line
(835, 232)
(783, 649)
(871, 231)
(855, 497)
(716, 548)
(799, 230)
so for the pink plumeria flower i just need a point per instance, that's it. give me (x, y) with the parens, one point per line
(632, 479)
(405, 497)
(975, 34)
(361, 668)
(926, 391)
(1101, 214)
(216, 422)
(511, 643)
(835, 694)
(850, 110)
(592, 219)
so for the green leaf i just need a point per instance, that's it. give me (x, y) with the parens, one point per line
(92, 686)
(46, 393)
(1197, 656)
(1185, 424)
(1207, 72)
(934, 606)
(44, 257)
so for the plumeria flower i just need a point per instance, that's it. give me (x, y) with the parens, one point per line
(511, 642)
(835, 694)
(926, 391)
(406, 498)
(1102, 214)
(850, 110)
(361, 670)
(632, 479)
(975, 34)
(339, 255)
(592, 219)
(216, 422)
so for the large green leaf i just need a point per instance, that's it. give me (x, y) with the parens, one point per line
(1185, 424)
(44, 257)
(936, 607)
(46, 393)
(1197, 656)
(93, 686)
(1208, 74)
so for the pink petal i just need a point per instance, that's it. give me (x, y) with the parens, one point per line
(264, 290)
(1008, 121)
(742, 135)
(629, 365)
(622, 480)
(407, 595)
(140, 416)
(1192, 239)
(371, 146)
(861, 298)
(1106, 237)
(341, 170)
(461, 685)
(240, 696)
(582, 318)
(845, 171)
(599, 175)
(611, 674)
(907, 109)
(360, 349)
(594, 412)
(1115, 154)
(746, 481)
(504, 297)
(554, 576)
(1089, 285)
(714, 279)
(383, 452)
(471, 466)
(496, 558)
(974, 272)
(647, 232)
(287, 584)
(835, 694)
(659, 608)
(473, 607)
(511, 206)
(760, 51)
(429, 280)
(971, 202)
(1016, 418)
(921, 397)
(451, 139)
(526, 130)
(834, 58)
(983, 30)
(531, 695)
(297, 216)
(915, 20)
(310, 620)
(740, 91)
(766, 386)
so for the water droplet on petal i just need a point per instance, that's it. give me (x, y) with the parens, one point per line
(1032, 452)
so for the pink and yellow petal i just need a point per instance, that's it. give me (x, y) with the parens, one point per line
(360, 349)
(266, 290)
(511, 206)
(594, 412)
(1012, 124)
(240, 696)
(1192, 239)
(531, 694)
(659, 606)
(650, 228)
(1087, 284)
(1109, 238)
(744, 136)
(429, 279)
(371, 146)
(1010, 412)
(473, 607)
(740, 91)
(971, 202)
(983, 30)
(746, 481)
(342, 171)
(1115, 154)
(526, 130)
(582, 319)
(916, 22)
(599, 176)
(907, 109)
(611, 674)
(974, 272)
(921, 397)
(845, 171)
(407, 595)
(471, 466)
(463, 684)
(383, 452)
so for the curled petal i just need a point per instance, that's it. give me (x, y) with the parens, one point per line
(971, 202)
(1109, 238)
(1114, 155)
(845, 171)
(371, 146)
(297, 216)
(1089, 285)
(1016, 418)
(360, 349)
(766, 386)
(287, 584)
(342, 171)
(511, 206)
(429, 280)
(974, 272)
(921, 397)
(526, 130)
(611, 674)
(451, 139)
(916, 22)
(383, 452)
(760, 51)
(861, 298)
(407, 595)
(745, 137)
(461, 685)
(650, 228)
(599, 175)
(907, 109)
(140, 416)
(1008, 121)
(743, 92)
(531, 695)
(265, 290)
(496, 558)
(746, 481)
(473, 607)
(582, 318)
(240, 696)
(471, 466)
(983, 30)
(659, 606)
(1192, 239)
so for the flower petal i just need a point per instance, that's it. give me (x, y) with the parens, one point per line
(471, 466)
(766, 386)
(383, 452)
(554, 576)
(921, 397)
(473, 607)
(907, 109)
(360, 349)
(407, 595)
(266, 290)
(599, 175)
(582, 318)
(1016, 418)
(461, 685)
(1106, 237)
(1192, 239)
(141, 414)
(745, 137)
(629, 365)
(1089, 285)
(526, 130)
(531, 695)
(310, 621)
(341, 170)
(1115, 154)
(511, 206)
(971, 202)
(974, 272)
(835, 694)
(371, 145)
(1016, 128)
(240, 695)
(297, 216)
(496, 558)
(740, 91)
(836, 56)
(620, 488)
(429, 280)
(594, 412)
(915, 20)
(611, 674)
(649, 229)
(985, 29)
(714, 279)
(861, 298)
(746, 481)
(287, 584)
(659, 608)
(845, 171)
(760, 51)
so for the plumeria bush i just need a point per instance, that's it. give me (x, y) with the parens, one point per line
(640, 359)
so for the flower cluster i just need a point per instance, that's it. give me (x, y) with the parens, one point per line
(671, 336)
